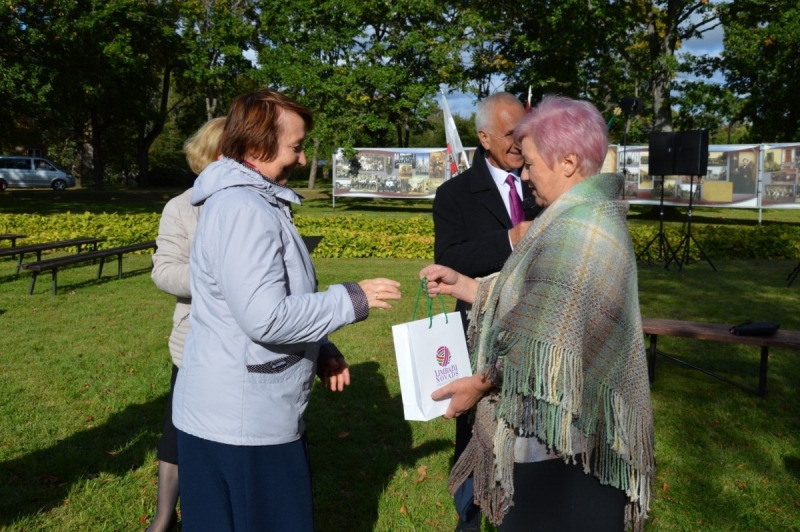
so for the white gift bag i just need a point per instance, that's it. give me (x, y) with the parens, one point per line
(431, 353)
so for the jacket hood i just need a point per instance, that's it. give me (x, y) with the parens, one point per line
(227, 173)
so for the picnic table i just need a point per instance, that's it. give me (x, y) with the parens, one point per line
(12, 237)
(46, 246)
(717, 332)
(54, 264)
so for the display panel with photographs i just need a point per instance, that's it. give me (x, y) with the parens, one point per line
(687, 190)
(645, 179)
(396, 173)
(726, 164)
(717, 173)
(670, 185)
(610, 162)
(742, 171)
(733, 176)
(779, 193)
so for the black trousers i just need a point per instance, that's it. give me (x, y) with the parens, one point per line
(168, 444)
(552, 496)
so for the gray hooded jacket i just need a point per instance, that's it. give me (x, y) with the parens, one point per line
(257, 321)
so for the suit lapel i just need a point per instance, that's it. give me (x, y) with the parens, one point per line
(485, 190)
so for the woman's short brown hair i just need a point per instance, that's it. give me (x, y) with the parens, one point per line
(202, 148)
(253, 124)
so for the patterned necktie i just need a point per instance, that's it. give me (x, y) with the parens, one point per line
(514, 201)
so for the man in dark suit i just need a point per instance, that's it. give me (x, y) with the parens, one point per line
(472, 217)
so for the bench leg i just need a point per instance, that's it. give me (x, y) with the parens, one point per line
(119, 266)
(651, 357)
(100, 269)
(762, 373)
(33, 282)
(55, 280)
(19, 263)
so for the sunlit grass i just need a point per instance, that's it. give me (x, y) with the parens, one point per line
(83, 382)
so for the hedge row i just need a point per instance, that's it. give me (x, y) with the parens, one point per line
(409, 238)
(118, 229)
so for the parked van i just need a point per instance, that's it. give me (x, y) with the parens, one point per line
(27, 172)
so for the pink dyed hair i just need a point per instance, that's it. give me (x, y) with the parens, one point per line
(560, 126)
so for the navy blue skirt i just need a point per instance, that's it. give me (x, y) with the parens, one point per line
(245, 488)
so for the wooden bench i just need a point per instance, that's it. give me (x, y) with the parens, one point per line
(46, 246)
(54, 264)
(12, 237)
(654, 327)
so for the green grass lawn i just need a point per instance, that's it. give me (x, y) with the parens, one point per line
(84, 377)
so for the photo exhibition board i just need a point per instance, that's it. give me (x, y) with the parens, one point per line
(750, 176)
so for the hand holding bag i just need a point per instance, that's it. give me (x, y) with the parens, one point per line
(430, 353)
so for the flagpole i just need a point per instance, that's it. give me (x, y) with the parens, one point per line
(455, 150)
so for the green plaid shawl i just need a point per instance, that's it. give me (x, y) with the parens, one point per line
(558, 331)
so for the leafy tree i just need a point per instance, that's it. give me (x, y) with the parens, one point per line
(368, 72)
(410, 48)
(307, 51)
(95, 65)
(215, 36)
(433, 134)
(762, 67)
(600, 50)
(711, 106)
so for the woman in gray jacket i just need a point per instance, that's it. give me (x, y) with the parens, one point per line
(258, 331)
(171, 274)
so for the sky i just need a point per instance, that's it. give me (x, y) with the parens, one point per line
(711, 44)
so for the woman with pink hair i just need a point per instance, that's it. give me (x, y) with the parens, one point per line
(563, 425)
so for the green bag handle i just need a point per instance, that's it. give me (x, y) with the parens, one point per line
(423, 286)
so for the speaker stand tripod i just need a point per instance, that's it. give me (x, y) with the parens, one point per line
(665, 251)
(688, 239)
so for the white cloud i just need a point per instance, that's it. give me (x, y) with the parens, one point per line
(711, 43)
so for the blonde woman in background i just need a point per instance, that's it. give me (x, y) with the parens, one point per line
(171, 274)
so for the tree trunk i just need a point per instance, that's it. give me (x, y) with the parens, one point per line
(211, 106)
(146, 140)
(143, 162)
(662, 43)
(98, 161)
(662, 104)
(312, 174)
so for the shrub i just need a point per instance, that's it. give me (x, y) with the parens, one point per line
(408, 238)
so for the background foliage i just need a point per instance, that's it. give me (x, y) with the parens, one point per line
(110, 89)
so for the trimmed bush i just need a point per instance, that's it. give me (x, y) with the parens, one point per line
(408, 238)
(118, 229)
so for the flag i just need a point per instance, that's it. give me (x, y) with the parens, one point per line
(455, 151)
(528, 103)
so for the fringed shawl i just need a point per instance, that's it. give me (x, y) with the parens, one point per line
(558, 331)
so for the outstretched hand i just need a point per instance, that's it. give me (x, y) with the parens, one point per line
(379, 290)
(464, 394)
(446, 281)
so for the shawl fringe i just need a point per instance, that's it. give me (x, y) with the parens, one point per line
(543, 399)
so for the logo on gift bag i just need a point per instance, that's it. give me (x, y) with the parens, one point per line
(447, 373)
(443, 356)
